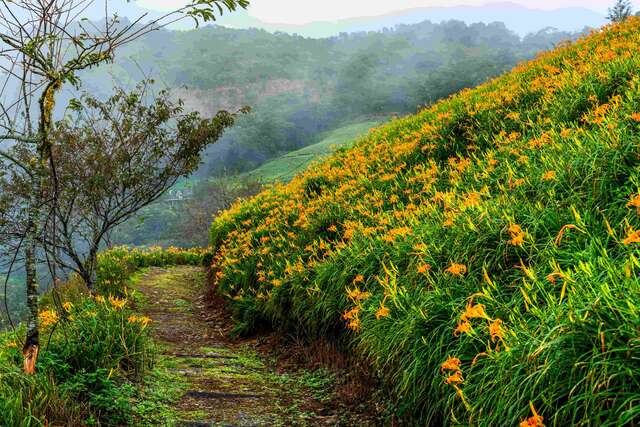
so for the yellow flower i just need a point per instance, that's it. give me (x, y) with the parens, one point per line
(635, 116)
(549, 176)
(351, 314)
(142, 320)
(457, 269)
(634, 202)
(117, 303)
(48, 318)
(382, 312)
(100, 299)
(517, 235)
(67, 307)
(358, 279)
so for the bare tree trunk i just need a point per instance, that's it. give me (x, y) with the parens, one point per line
(90, 270)
(32, 343)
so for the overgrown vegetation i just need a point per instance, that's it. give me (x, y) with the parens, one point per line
(299, 87)
(481, 255)
(96, 365)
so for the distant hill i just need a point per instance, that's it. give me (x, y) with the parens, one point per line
(521, 19)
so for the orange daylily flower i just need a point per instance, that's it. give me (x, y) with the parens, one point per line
(457, 269)
(496, 330)
(474, 312)
(383, 311)
(463, 327)
(632, 237)
(451, 364)
(534, 421)
(455, 378)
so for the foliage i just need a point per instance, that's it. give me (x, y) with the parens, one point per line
(117, 265)
(481, 255)
(95, 349)
(284, 168)
(300, 88)
(96, 352)
(185, 223)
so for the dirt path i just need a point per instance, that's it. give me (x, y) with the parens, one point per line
(225, 382)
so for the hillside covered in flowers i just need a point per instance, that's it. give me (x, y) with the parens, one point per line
(481, 256)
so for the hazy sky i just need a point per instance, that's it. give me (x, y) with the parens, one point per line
(303, 11)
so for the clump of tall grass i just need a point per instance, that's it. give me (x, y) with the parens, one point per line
(482, 255)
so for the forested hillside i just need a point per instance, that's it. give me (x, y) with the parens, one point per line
(481, 256)
(300, 87)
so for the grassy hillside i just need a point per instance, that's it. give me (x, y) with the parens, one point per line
(481, 255)
(284, 168)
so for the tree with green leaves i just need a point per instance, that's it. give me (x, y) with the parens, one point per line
(44, 44)
(116, 157)
(620, 11)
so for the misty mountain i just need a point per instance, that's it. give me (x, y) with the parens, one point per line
(520, 19)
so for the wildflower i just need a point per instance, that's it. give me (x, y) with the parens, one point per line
(351, 314)
(356, 294)
(354, 325)
(67, 306)
(455, 378)
(358, 279)
(549, 176)
(383, 311)
(463, 327)
(632, 237)
(142, 320)
(117, 303)
(100, 299)
(457, 269)
(422, 269)
(635, 117)
(333, 229)
(474, 312)
(451, 364)
(48, 318)
(634, 202)
(517, 235)
(534, 421)
(496, 330)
